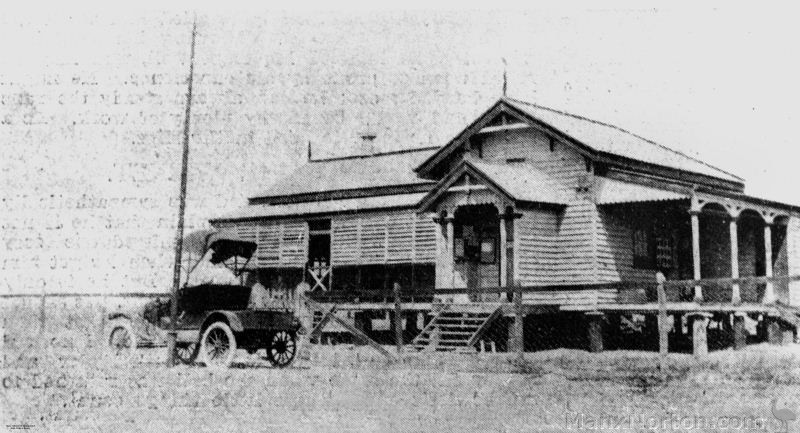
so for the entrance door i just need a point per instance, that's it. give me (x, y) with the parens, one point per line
(318, 270)
(476, 232)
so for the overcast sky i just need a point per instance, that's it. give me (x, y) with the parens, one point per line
(92, 104)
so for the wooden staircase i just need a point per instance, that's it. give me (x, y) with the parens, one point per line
(457, 327)
(789, 314)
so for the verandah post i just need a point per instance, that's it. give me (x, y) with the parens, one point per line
(663, 329)
(695, 217)
(769, 290)
(398, 318)
(736, 294)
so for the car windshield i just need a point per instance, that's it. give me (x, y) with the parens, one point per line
(208, 273)
(223, 261)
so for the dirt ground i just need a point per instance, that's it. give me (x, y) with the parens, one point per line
(71, 385)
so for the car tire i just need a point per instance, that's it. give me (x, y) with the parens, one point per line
(282, 348)
(187, 352)
(218, 345)
(121, 339)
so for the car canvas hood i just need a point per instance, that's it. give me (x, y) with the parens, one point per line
(226, 244)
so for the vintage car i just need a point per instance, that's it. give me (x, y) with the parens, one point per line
(214, 320)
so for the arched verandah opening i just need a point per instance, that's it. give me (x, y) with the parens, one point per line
(736, 241)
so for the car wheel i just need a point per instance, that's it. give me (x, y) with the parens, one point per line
(187, 352)
(122, 339)
(282, 348)
(218, 345)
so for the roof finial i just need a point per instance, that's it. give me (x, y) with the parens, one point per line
(505, 76)
(309, 150)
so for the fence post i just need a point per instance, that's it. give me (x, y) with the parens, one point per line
(398, 318)
(663, 330)
(103, 314)
(519, 341)
(42, 308)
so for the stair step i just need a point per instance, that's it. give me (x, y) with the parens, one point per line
(462, 319)
(452, 343)
(448, 314)
(461, 349)
(465, 325)
(452, 328)
(458, 328)
(459, 325)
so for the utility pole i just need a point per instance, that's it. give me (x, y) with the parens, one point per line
(505, 77)
(176, 276)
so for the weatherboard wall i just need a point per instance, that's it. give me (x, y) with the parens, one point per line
(551, 246)
(529, 146)
(356, 239)
(383, 238)
(555, 246)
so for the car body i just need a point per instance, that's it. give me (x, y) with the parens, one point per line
(214, 320)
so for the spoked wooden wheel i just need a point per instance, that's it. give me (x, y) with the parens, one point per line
(218, 345)
(187, 352)
(282, 348)
(122, 339)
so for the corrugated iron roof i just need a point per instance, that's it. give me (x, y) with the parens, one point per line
(356, 172)
(524, 182)
(323, 207)
(617, 141)
(612, 191)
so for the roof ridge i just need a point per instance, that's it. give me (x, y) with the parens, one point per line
(373, 155)
(608, 125)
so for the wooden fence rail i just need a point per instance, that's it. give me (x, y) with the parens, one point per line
(408, 294)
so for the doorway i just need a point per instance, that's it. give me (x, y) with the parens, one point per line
(318, 269)
(476, 234)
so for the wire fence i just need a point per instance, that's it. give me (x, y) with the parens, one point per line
(510, 320)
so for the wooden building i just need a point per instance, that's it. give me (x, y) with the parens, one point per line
(524, 195)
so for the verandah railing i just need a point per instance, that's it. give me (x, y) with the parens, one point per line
(714, 290)
(665, 294)
(672, 292)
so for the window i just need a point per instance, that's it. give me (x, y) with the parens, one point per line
(664, 252)
(653, 248)
(641, 249)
